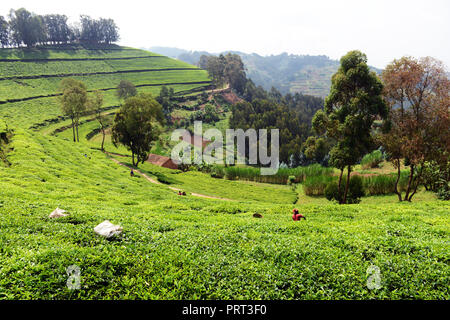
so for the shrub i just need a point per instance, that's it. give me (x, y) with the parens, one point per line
(372, 160)
(355, 190)
(217, 172)
(443, 191)
(291, 180)
(436, 178)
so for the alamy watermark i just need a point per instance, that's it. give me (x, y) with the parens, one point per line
(373, 277)
(74, 277)
(218, 151)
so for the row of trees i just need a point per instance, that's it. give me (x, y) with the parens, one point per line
(411, 105)
(26, 28)
(136, 125)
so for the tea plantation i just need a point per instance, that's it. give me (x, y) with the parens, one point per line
(183, 247)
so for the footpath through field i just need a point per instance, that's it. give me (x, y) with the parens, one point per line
(172, 188)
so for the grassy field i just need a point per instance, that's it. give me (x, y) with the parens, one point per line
(190, 247)
(187, 247)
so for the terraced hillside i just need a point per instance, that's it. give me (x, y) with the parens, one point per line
(34, 75)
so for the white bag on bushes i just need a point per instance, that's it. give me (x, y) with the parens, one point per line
(58, 213)
(107, 229)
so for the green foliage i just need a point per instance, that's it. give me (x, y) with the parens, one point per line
(217, 172)
(436, 178)
(352, 106)
(266, 114)
(281, 177)
(316, 185)
(172, 247)
(73, 102)
(372, 160)
(135, 125)
(225, 69)
(316, 148)
(384, 184)
(307, 74)
(5, 137)
(355, 190)
(125, 90)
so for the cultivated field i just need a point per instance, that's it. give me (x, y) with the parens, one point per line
(186, 247)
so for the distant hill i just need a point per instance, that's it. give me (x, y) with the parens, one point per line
(286, 72)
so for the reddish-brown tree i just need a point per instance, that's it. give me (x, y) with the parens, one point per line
(417, 91)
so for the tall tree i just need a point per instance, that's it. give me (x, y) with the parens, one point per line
(136, 125)
(73, 102)
(109, 31)
(353, 104)
(225, 69)
(4, 32)
(234, 72)
(26, 27)
(57, 28)
(94, 105)
(417, 91)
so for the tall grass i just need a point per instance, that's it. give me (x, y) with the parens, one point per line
(315, 185)
(373, 185)
(281, 177)
(372, 160)
(384, 184)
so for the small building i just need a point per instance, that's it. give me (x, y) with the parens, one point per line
(161, 161)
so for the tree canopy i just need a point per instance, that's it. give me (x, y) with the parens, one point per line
(73, 102)
(417, 91)
(225, 69)
(354, 103)
(135, 125)
(27, 28)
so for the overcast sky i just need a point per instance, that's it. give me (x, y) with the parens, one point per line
(382, 29)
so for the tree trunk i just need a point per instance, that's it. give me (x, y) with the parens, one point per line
(132, 158)
(103, 139)
(419, 175)
(73, 130)
(408, 188)
(78, 137)
(399, 194)
(340, 180)
(346, 185)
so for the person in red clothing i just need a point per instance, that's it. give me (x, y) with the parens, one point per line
(296, 215)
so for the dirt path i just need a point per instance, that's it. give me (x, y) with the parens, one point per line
(171, 188)
(137, 171)
(208, 197)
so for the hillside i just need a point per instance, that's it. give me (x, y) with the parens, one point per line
(287, 72)
(35, 75)
(205, 245)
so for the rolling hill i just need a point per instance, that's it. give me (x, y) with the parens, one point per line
(35, 74)
(287, 72)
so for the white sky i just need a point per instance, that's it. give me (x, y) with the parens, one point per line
(383, 29)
